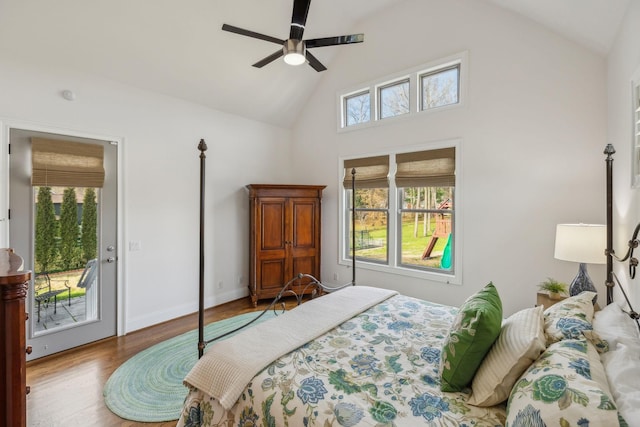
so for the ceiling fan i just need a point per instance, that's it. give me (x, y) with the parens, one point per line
(294, 49)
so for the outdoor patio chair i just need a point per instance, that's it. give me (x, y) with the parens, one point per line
(89, 274)
(43, 294)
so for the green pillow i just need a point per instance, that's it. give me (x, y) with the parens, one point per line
(470, 338)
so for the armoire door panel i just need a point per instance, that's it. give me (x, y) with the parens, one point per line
(272, 273)
(305, 265)
(304, 216)
(272, 230)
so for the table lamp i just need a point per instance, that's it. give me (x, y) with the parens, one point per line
(582, 243)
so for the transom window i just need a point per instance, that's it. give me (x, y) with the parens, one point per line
(394, 99)
(357, 108)
(425, 88)
(440, 88)
(405, 221)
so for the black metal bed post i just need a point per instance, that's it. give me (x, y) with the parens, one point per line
(353, 226)
(609, 151)
(202, 146)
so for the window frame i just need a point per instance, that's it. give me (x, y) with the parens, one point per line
(388, 85)
(401, 211)
(344, 110)
(635, 141)
(393, 265)
(433, 72)
(459, 60)
(347, 219)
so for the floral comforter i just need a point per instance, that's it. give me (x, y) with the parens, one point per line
(378, 369)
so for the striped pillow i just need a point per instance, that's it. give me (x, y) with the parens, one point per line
(520, 343)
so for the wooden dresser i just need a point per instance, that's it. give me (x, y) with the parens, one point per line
(284, 236)
(13, 288)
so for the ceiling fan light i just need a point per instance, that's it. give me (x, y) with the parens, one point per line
(294, 58)
(294, 52)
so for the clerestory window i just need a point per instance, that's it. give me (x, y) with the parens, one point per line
(429, 87)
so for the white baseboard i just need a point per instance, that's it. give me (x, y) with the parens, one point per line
(153, 318)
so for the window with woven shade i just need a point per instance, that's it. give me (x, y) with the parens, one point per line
(370, 175)
(425, 183)
(419, 236)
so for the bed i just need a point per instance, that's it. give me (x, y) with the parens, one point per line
(372, 357)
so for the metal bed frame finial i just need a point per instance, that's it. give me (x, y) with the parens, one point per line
(202, 146)
(609, 151)
(612, 279)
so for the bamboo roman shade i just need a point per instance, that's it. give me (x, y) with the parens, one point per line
(432, 168)
(66, 164)
(371, 172)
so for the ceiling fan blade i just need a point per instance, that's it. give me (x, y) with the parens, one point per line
(253, 34)
(332, 41)
(268, 59)
(299, 18)
(313, 61)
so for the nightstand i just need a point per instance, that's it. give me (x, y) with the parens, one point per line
(542, 298)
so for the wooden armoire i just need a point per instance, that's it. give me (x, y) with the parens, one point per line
(284, 236)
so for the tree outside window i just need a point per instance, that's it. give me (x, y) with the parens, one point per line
(426, 218)
(357, 109)
(419, 89)
(440, 88)
(394, 99)
(371, 225)
(65, 239)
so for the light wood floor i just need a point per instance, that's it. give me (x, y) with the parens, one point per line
(66, 388)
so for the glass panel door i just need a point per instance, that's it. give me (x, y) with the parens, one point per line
(67, 237)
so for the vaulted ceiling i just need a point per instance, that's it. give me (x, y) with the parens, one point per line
(177, 48)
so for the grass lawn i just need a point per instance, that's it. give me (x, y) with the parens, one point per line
(413, 247)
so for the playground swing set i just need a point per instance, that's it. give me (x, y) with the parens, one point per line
(443, 229)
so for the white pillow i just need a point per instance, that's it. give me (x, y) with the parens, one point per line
(615, 326)
(623, 371)
(622, 361)
(520, 342)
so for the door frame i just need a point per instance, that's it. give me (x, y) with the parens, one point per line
(5, 128)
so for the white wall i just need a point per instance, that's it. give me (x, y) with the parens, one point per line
(623, 61)
(533, 131)
(161, 181)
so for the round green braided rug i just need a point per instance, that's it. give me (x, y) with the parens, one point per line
(148, 387)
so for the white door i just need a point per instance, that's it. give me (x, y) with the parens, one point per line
(67, 237)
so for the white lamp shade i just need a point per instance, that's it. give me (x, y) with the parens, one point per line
(584, 243)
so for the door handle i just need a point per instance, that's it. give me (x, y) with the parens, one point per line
(111, 259)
